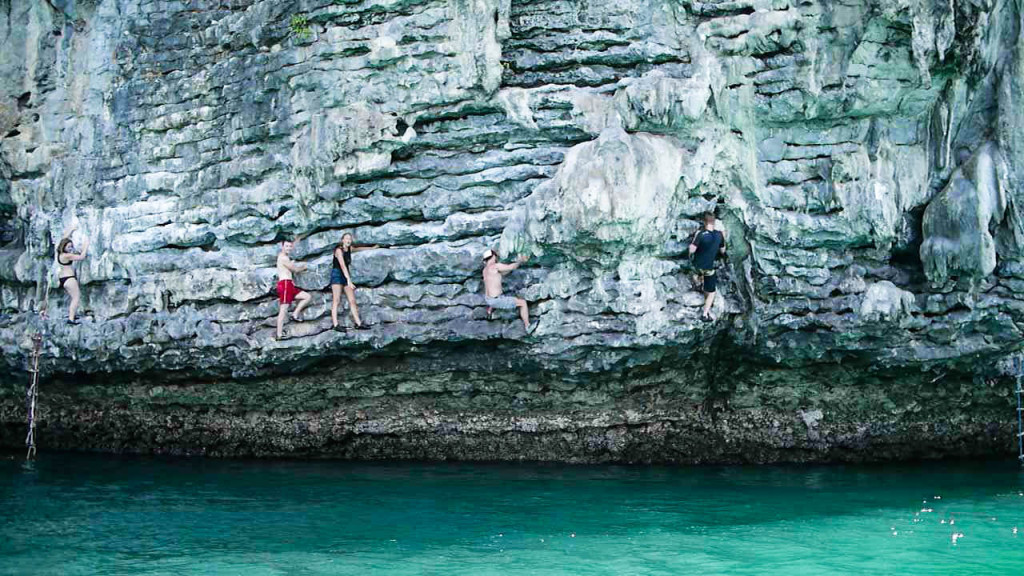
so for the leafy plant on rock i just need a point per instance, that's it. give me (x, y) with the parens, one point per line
(300, 27)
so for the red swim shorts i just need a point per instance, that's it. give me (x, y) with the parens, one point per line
(286, 291)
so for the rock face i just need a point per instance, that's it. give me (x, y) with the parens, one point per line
(866, 159)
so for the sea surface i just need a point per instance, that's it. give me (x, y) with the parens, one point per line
(77, 514)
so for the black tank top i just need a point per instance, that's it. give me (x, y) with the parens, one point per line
(347, 255)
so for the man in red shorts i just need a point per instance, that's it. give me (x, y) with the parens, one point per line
(286, 290)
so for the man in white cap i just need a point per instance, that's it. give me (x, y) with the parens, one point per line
(493, 271)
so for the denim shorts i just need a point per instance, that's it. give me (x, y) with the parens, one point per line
(337, 277)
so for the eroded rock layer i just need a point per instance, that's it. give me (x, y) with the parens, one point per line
(864, 156)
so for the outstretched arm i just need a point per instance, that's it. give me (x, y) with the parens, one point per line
(81, 255)
(506, 268)
(361, 248)
(294, 266)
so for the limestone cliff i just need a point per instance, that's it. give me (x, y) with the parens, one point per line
(865, 156)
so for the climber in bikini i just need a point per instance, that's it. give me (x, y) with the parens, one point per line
(493, 272)
(341, 279)
(66, 257)
(287, 292)
(707, 245)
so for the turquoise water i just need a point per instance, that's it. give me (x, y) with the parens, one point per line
(72, 514)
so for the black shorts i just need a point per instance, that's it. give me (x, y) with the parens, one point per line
(710, 280)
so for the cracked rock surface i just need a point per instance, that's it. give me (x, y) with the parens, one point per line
(865, 158)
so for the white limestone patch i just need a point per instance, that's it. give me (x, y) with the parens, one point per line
(958, 222)
(616, 191)
(885, 301)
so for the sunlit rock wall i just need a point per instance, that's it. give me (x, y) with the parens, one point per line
(865, 156)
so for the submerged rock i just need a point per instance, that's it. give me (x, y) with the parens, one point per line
(863, 158)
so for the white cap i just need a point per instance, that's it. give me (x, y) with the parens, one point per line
(488, 253)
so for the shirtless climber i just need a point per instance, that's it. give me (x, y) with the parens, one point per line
(286, 290)
(493, 271)
(707, 245)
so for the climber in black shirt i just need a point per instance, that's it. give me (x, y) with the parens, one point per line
(707, 245)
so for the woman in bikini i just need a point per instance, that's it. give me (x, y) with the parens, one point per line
(66, 257)
(341, 279)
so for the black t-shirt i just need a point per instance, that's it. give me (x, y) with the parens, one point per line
(708, 242)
